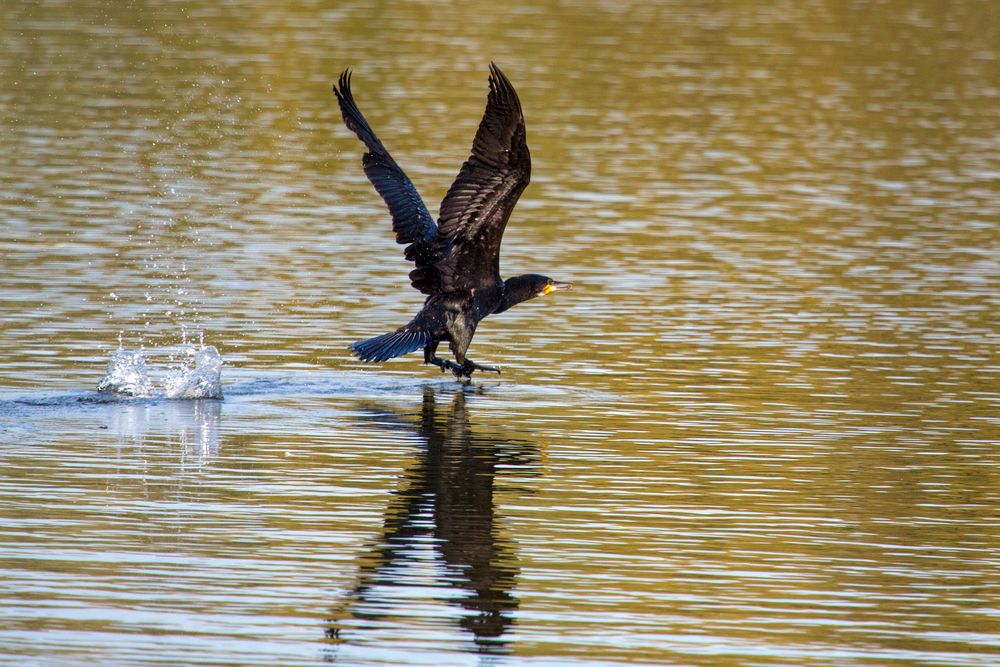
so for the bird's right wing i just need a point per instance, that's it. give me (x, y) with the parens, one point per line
(410, 220)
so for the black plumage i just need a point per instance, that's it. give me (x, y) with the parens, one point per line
(457, 259)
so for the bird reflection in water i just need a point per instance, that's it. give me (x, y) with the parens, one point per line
(445, 503)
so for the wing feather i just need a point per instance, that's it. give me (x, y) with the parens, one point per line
(411, 221)
(475, 211)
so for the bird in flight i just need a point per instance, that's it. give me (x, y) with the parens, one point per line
(457, 259)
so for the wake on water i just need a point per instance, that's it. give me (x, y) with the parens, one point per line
(198, 375)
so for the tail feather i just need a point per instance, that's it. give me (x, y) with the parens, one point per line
(390, 345)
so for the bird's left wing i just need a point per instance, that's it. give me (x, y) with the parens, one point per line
(411, 222)
(474, 213)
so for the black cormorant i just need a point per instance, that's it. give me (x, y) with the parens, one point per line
(458, 258)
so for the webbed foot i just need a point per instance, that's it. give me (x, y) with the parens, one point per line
(464, 371)
(473, 366)
(443, 364)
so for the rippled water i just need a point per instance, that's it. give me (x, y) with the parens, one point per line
(764, 429)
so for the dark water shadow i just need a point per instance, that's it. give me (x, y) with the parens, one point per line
(445, 502)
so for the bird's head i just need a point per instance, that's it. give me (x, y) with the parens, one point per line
(528, 286)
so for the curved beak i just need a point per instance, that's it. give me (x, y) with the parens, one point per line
(555, 286)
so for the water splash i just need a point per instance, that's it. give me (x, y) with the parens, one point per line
(127, 375)
(202, 379)
(197, 375)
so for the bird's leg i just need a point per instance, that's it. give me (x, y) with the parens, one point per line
(445, 365)
(430, 357)
(465, 366)
(460, 371)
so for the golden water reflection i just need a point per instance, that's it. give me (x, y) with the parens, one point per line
(765, 421)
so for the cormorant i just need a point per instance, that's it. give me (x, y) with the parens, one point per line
(458, 258)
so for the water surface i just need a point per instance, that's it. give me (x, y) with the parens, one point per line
(762, 430)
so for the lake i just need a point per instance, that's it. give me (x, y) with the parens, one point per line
(763, 428)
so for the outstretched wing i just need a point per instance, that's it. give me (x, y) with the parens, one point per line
(474, 213)
(410, 220)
